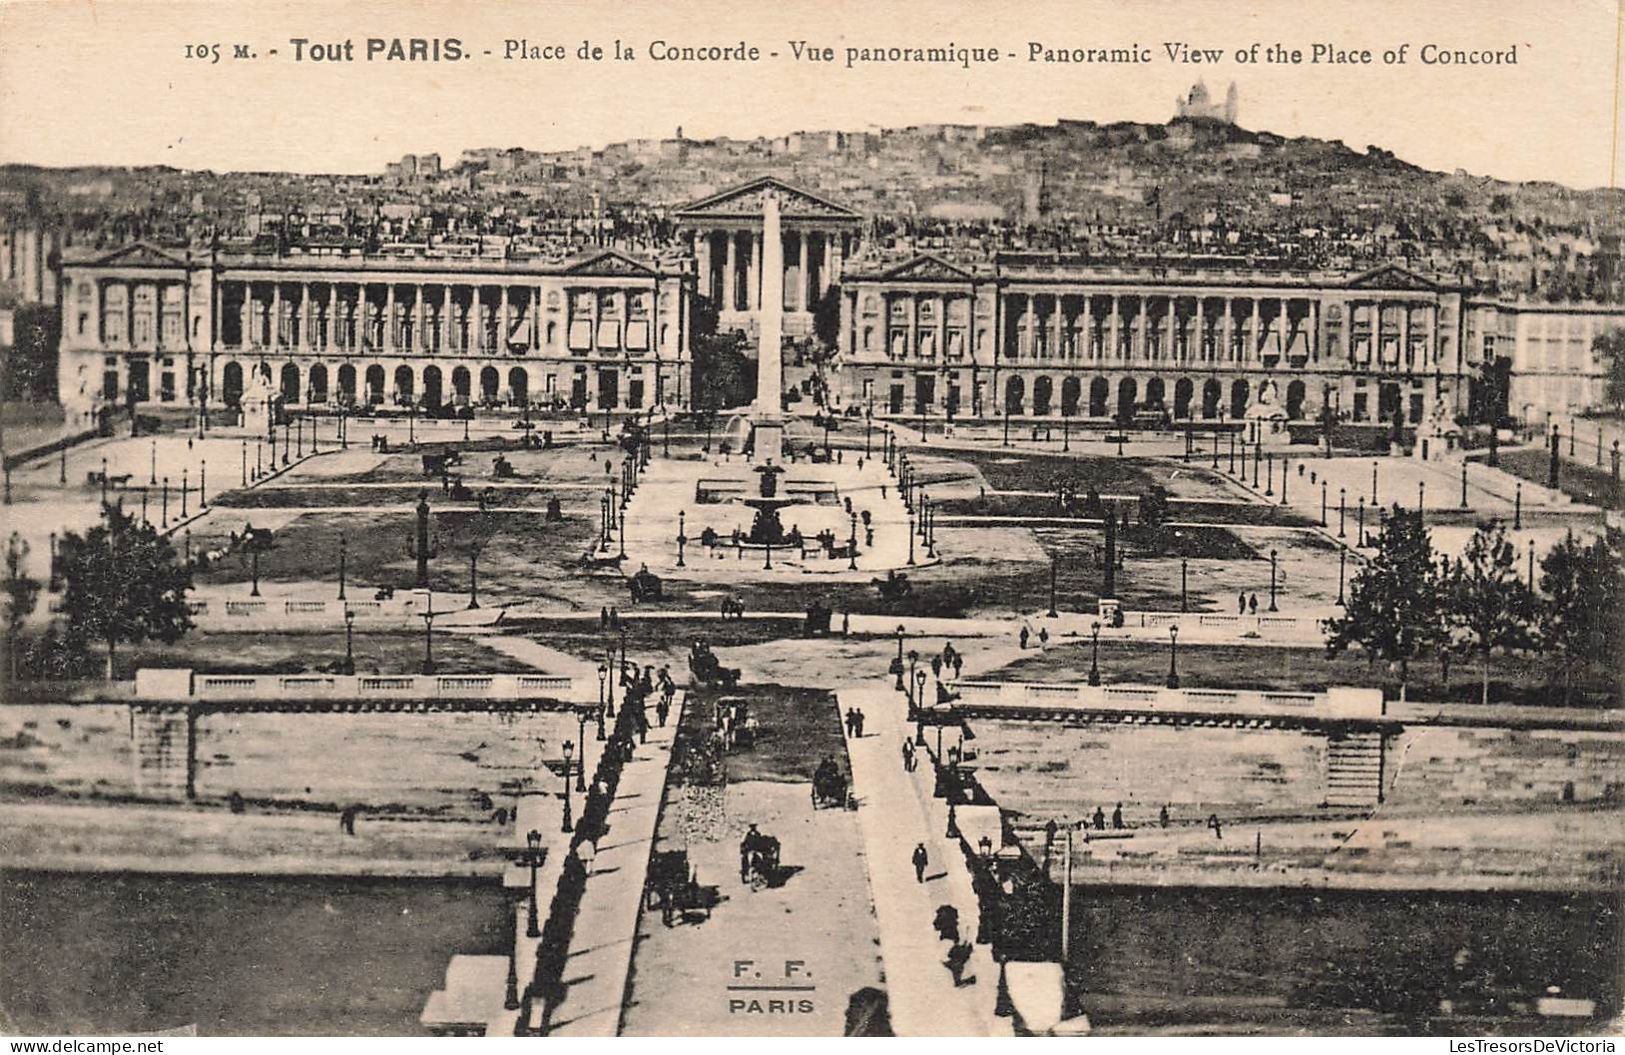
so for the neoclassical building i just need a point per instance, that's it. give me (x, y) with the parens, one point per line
(148, 324)
(1034, 335)
(724, 236)
(1041, 335)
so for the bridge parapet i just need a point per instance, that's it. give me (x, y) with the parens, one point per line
(1338, 702)
(187, 686)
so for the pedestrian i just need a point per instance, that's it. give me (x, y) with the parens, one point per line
(1043, 637)
(1252, 605)
(851, 720)
(1117, 818)
(1241, 603)
(1162, 815)
(615, 618)
(662, 709)
(1024, 636)
(959, 664)
(882, 492)
(908, 755)
(921, 859)
(936, 666)
(1100, 819)
(858, 724)
(1213, 822)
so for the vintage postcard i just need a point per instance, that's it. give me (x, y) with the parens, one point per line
(919, 518)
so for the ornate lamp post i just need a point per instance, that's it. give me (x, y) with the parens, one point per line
(603, 676)
(1517, 506)
(569, 751)
(1272, 580)
(343, 554)
(533, 857)
(1094, 652)
(1053, 562)
(185, 487)
(609, 665)
(428, 634)
(203, 484)
(1342, 556)
(581, 738)
(1360, 523)
(897, 661)
(919, 702)
(1373, 481)
(1342, 510)
(682, 537)
(913, 665)
(1184, 582)
(852, 544)
(166, 502)
(1173, 656)
(254, 565)
(1464, 483)
(349, 640)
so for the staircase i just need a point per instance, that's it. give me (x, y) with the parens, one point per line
(1354, 769)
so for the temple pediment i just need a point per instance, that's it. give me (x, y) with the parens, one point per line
(1392, 276)
(142, 254)
(745, 203)
(610, 264)
(928, 268)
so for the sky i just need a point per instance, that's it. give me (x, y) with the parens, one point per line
(109, 81)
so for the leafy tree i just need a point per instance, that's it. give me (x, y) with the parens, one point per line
(1154, 509)
(1394, 605)
(1611, 346)
(22, 593)
(1579, 614)
(124, 582)
(1490, 606)
(723, 375)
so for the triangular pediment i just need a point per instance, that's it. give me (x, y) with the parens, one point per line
(609, 264)
(1392, 276)
(928, 268)
(746, 201)
(142, 254)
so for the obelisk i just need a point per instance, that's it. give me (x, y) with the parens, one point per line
(768, 412)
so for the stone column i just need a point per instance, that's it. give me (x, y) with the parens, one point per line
(753, 284)
(1250, 351)
(476, 324)
(502, 320)
(1088, 325)
(702, 256)
(1027, 346)
(1173, 327)
(730, 292)
(1201, 328)
(1058, 330)
(1116, 328)
(1228, 333)
(304, 317)
(832, 259)
(329, 336)
(276, 316)
(361, 305)
(215, 318)
(912, 349)
(247, 311)
(419, 320)
(804, 280)
(1405, 335)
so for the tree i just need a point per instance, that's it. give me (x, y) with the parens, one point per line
(723, 375)
(124, 582)
(1394, 606)
(22, 593)
(1154, 509)
(1611, 346)
(1490, 607)
(1579, 614)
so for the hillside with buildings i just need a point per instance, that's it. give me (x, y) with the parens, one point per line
(1197, 186)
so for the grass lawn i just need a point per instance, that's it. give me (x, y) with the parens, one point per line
(1517, 679)
(1587, 483)
(796, 729)
(385, 653)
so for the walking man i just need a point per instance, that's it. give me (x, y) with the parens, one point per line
(1241, 603)
(1117, 817)
(921, 859)
(857, 723)
(1100, 819)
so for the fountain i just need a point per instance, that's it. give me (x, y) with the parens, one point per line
(765, 528)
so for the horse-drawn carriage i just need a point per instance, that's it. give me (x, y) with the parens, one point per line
(675, 889)
(437, 463)
(708, 670)
(894, 587)
(758, 859)
(829, 785)
(645, 586)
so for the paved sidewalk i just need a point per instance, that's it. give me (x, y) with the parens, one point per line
(606, 925)
(894, 814)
